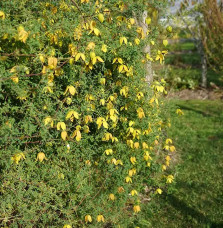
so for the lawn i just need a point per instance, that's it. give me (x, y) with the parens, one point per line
(196, 199)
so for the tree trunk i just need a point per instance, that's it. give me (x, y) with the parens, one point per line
(148, 65)
(204, 70)
(147, 50)
(203, 64)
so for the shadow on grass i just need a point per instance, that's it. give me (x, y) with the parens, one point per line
(205, 114)
(186, 210)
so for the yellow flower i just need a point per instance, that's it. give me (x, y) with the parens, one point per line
(136, 208)
(104, 48)
(109, 151)
(67, 226)
(88, 162)
(86, 129)
(169, 29)
(159, 191)
(80, 55)
(112, 197)
(132, 172)
(91, 45)
(52, 62)
(88, 119)
(140, 95)
(169, 179)
(132, 21)
(71, 115)
(133, 160)
(88, 218)
(161, 55)
(140, 113)
(102, 102)
(118, 60)
(15, 79)
(48, 120)
(101, 122)
(128, 179)
(179, 112)
(163, 167)
(17, 157)
(22, 34)
(172, 148)
(137, 41)
(100, 218)
(61, 125)
(169, 141)
(124, 91)
(148, 20)
(64, 135)
(42, 58)
(77, 133)
(145, 145)
(102, 81)
(71, 90)
(123, 40)
(134, 192)
(101, 17)
(165, 42)
(41, 156)
(2, 15)
(136, 145)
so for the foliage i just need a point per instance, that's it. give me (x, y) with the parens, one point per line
(81, 134)
(182, 78)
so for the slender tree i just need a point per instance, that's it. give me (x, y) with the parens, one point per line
(212, 32)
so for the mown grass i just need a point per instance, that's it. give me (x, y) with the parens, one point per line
(196, 198)
(182, 46)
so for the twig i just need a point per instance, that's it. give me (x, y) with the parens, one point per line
(14, 54)
(76, 5)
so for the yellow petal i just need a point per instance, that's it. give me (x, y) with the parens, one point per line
(104, 48)
(100, 59)
(52, 62)
(165, 42)
(2, 15)
(61, 125)
(78, 136)
(64, 135)
(101, 17)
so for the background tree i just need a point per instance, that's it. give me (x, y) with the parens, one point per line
(212, 32)
(190, 15)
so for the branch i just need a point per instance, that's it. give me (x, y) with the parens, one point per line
(76, 5)
(14, 54)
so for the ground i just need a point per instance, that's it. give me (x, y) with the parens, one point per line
(196, 198)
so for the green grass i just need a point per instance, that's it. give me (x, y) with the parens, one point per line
(185, 58)
(197, 197)
(186, 46)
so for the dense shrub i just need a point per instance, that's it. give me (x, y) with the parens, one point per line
(81, 133)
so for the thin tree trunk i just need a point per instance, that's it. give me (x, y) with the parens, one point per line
(147, 50)
(204, 68)
(203, 63)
